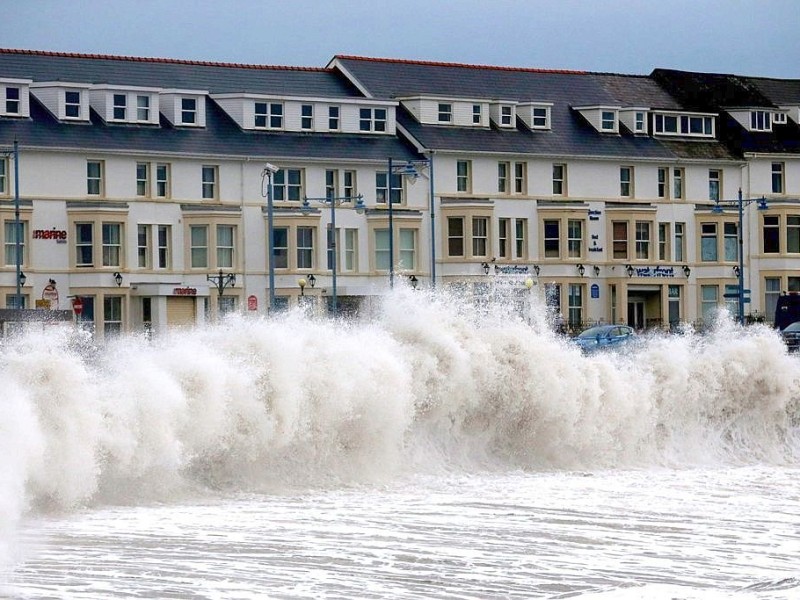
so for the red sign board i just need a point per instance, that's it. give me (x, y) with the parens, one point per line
(252, 303)
(77, 306)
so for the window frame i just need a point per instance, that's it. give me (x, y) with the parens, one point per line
(97, 179)
(209, 182)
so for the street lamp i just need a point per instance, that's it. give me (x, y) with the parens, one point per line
(266, 191)
(221, 281)
(409, 168)
(17, 225)
(740, 203)
(334, 201)
(302, 283)
(413, 281)
(117, 278)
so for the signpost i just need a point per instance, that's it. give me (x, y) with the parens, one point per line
(77, 306)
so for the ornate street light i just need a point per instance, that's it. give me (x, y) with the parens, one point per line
(221, 281)
(740, 204)
(409, 169)
(333, 201)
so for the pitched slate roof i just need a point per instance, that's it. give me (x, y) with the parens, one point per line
(713, 92)
(221, 136)
(216, 78)
(570, 134)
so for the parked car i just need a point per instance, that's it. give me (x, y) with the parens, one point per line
(791, 335)
(602, 337)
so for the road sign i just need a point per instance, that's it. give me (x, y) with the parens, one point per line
(77, 306)
(731, 295)
(252, 303)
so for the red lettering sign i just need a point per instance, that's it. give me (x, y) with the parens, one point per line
(77, 306)
(184, 291)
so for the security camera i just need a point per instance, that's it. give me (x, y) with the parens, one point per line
(270, 168)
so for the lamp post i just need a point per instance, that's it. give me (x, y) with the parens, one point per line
(17, 227)
(333, 201)
(266, 191)
(17, 224)
(740, 204)
(409, 168)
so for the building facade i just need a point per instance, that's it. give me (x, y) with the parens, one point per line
(140, 188)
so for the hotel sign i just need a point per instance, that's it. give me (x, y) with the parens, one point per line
(184, 291)
(654, 271)
(59, 235)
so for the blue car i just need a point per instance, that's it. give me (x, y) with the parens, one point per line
(604, 336)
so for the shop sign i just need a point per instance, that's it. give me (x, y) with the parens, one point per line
(184, 291)
(654, 271)
(59, 235)
(511, 269)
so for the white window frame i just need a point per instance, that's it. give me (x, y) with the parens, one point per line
(374, 120)
(307, 117)
(270, 114)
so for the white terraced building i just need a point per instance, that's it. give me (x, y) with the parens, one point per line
(142, 188)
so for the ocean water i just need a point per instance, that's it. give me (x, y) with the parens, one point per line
(436, 450)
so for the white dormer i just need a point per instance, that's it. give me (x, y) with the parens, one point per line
(536, 115)
(14, 97)
(184, 108)
(304, 114)
(604, 119)
(758, 118)
(504, 114)
(792, 112)
(68, 102)
(635, 119)
(133, 105)
(459, 112)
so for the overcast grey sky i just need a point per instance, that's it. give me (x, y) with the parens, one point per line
(748, 37)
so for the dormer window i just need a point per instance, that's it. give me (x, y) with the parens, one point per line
(143, 108)
(639, 122)
(684, 125)
(604, 119)
(12, 101)
(72, 105)
(760, 120)
(188, 111)
(779, 118)
(477, 114)
(540, 118)
(536, 115)
(182, 108)
(269, 115)
(506, 114)
(372, 119)
(120, 107)
(14, 97)
(128, 105)
(608, 120)
(307, 116)
(445, 112)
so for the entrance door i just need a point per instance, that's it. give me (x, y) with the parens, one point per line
(636, 313)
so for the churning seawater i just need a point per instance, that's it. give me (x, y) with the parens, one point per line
(437, 450)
